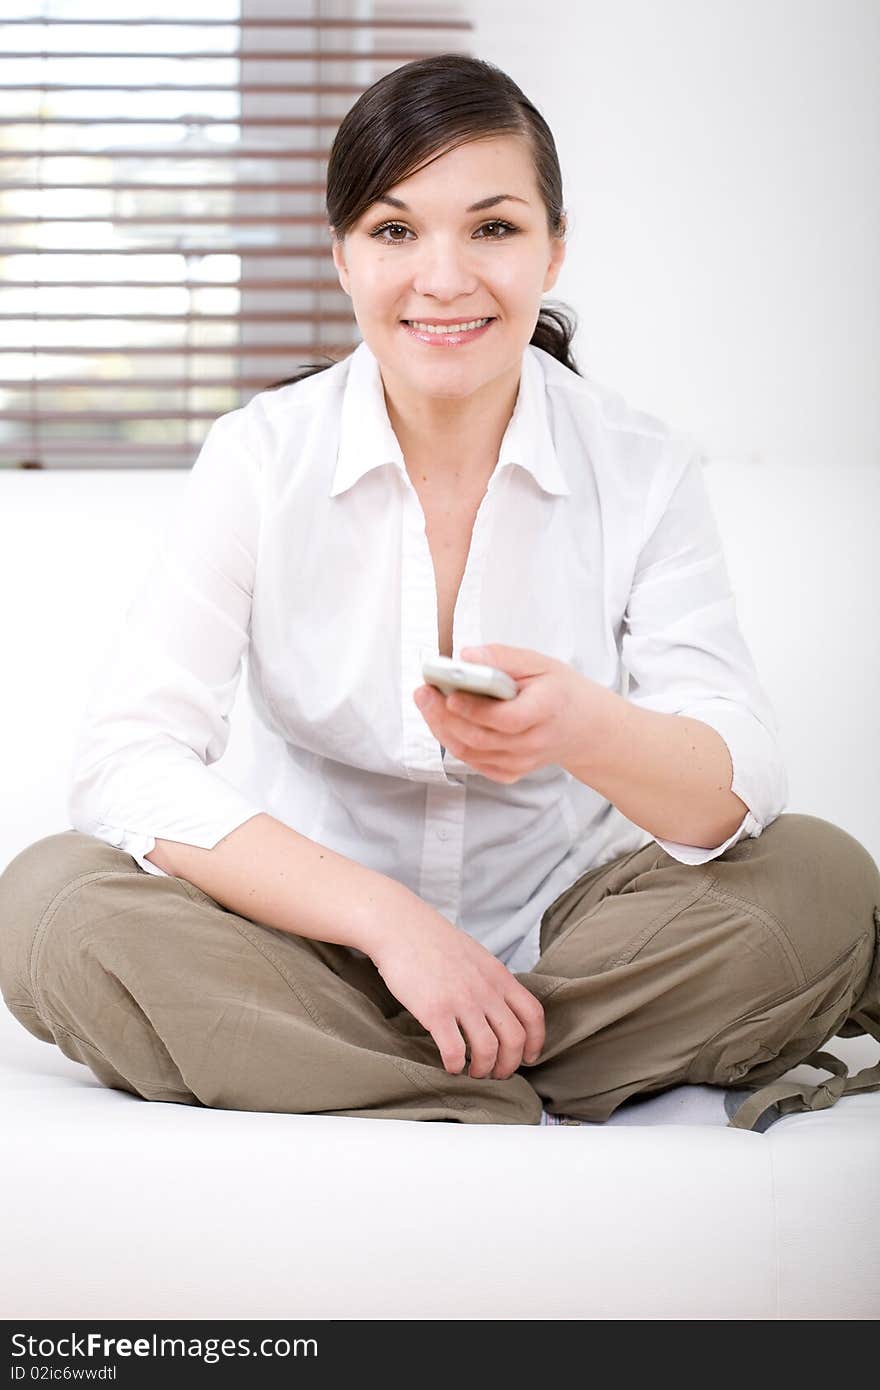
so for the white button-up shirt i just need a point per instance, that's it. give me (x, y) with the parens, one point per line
(299, 552)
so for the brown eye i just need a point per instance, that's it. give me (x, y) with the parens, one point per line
(508, 229)
(388, 226)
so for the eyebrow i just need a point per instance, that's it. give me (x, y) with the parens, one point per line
(474, 207)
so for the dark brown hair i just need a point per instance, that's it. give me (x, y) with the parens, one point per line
(411, 115)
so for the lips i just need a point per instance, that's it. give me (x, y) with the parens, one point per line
(448, 339)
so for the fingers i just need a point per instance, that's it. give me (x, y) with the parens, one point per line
(512, 1039)
(484, 1043)
(484, 741)
(530, 1013)
(499, 1040)
(506, 717)
(439, 714)
(450, 1043)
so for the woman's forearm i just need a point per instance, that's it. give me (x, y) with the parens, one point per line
(270, 873)
(668, 773)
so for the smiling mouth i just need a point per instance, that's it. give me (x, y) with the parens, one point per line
(447, 328)
(448, 338)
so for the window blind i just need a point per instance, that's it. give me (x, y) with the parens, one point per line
(164, 252)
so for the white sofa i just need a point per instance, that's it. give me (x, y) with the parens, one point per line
(115, 1207)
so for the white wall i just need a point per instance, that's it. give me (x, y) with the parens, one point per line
(720, 165)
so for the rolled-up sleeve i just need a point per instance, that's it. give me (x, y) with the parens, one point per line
(157, 711)
(685, 654)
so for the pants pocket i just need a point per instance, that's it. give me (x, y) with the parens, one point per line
(766, 1042)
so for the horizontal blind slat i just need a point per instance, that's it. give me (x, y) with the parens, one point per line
(27, 416)
(237, 349)
(267, 284)
(257, 22)
(111, 186)
(305, 55)
(218, 249)
(237, 219)
(137, 152)
(37, 385)
(345, 89)
(172, 120)
(246, 316)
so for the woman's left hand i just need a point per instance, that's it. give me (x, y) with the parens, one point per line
(552, 719)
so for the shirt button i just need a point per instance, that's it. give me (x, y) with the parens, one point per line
(442, 834)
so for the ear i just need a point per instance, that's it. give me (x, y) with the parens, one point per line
(339, 262)
(557, 258)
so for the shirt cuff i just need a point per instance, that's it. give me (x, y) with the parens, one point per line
(695, 854)
(134, 844)
(138, 844)
(759, 776)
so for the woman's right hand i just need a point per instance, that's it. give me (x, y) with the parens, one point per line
(459, 992)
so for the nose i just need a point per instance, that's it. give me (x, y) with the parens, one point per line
(445, 271)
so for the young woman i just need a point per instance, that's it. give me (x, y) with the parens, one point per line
(427, 907)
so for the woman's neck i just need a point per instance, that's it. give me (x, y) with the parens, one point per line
(448, 449)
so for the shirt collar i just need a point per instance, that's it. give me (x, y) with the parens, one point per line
(367, 439)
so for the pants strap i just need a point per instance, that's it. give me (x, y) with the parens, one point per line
(868, 1079)
(792, 1096)
(796, 1096)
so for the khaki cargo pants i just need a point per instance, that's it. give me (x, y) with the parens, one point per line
(652, 974)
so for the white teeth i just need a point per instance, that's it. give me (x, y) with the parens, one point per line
(448, 328)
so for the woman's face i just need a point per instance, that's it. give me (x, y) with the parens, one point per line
(435, 259)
